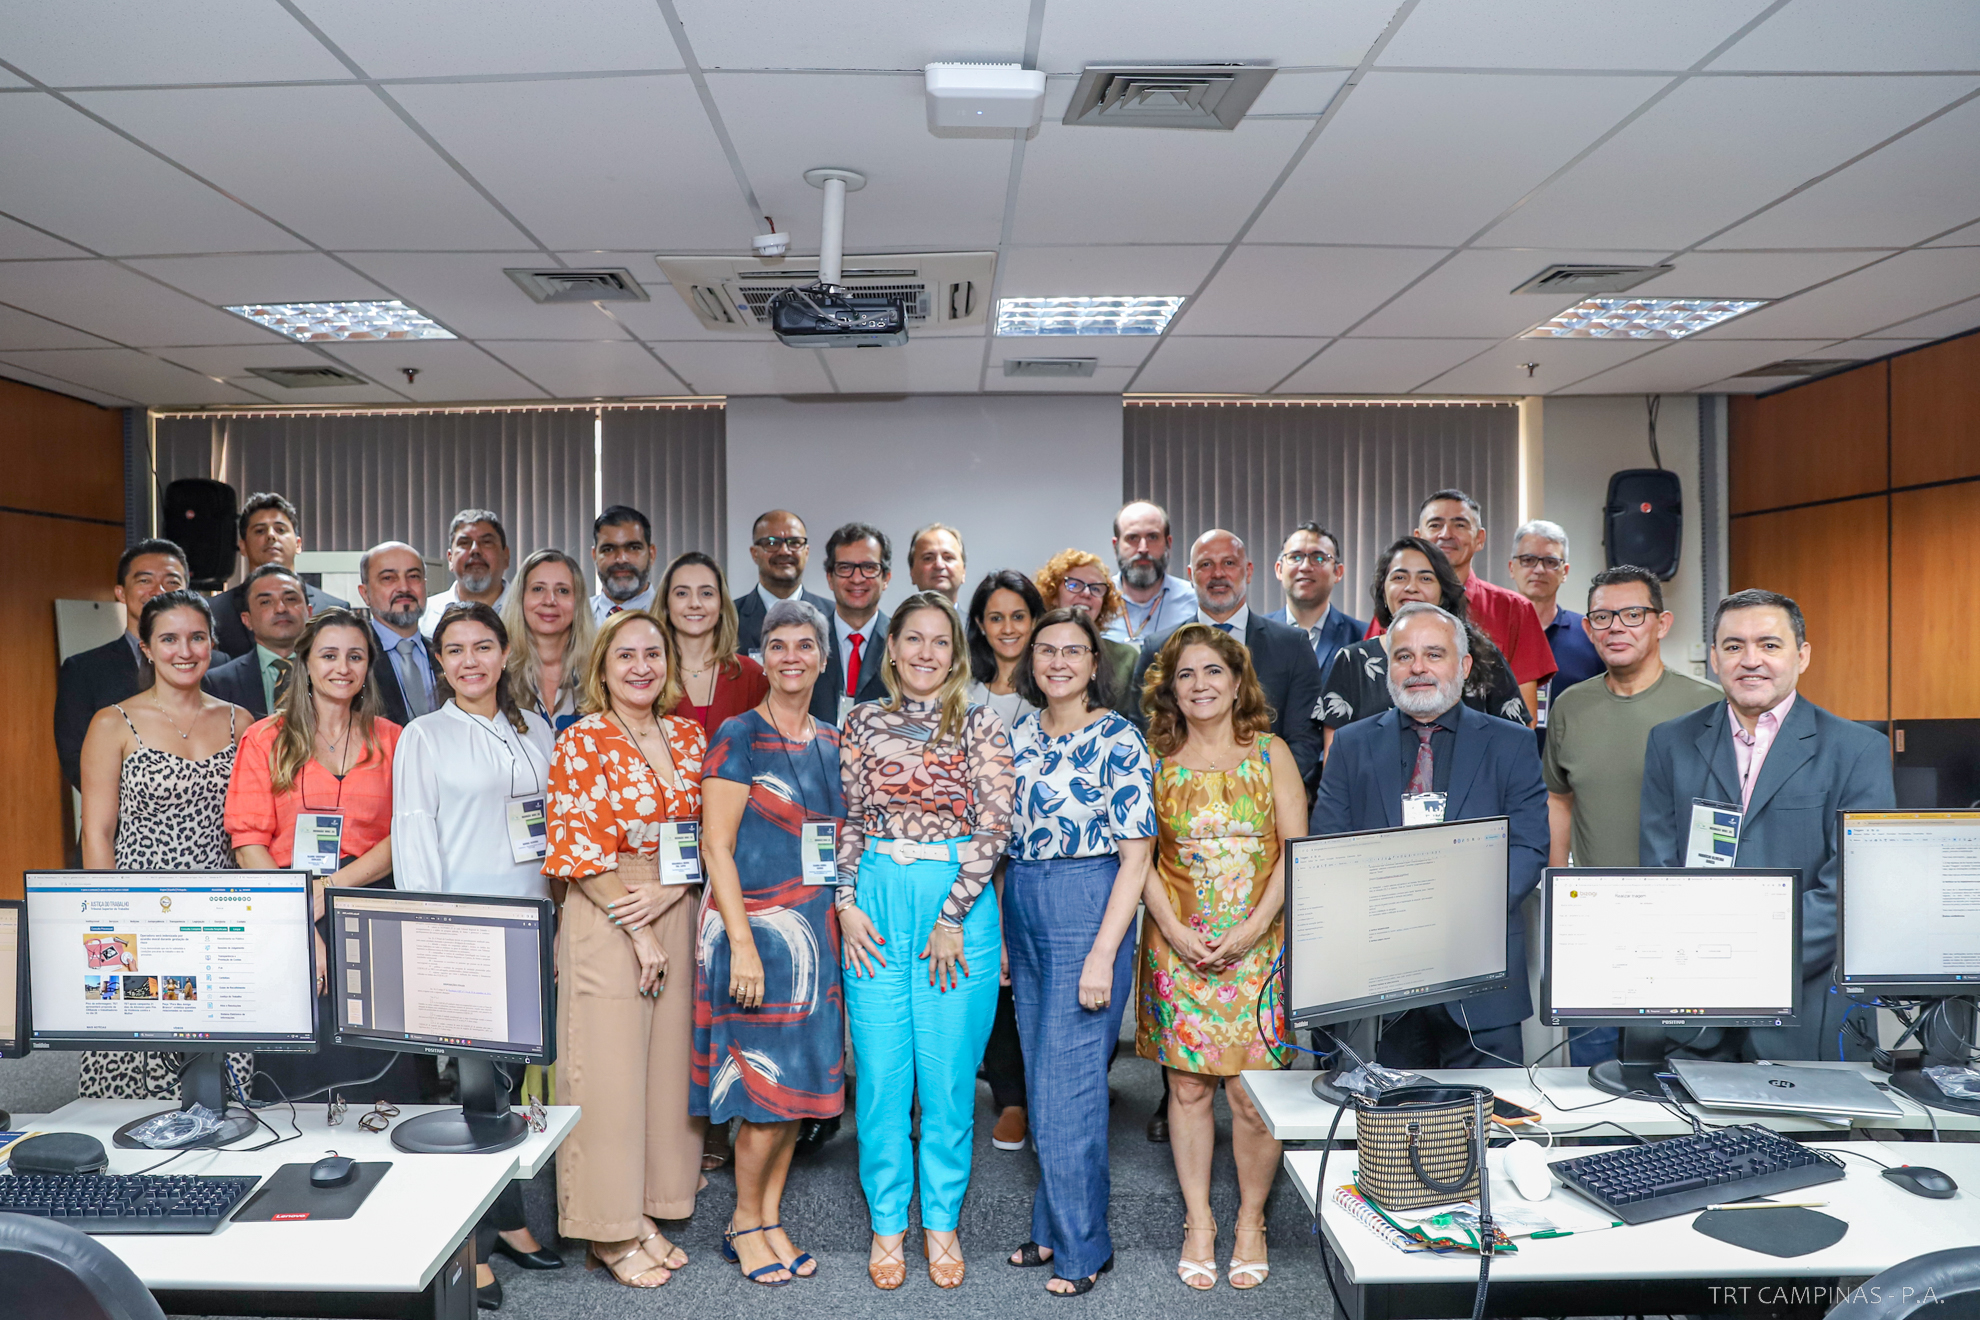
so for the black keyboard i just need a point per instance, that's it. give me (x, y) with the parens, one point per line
(1637, 1184)
(127, 1203)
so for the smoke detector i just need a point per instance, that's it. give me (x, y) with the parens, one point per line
(578, 286)
(1591, 279)
(1211, 96)
(306, 378)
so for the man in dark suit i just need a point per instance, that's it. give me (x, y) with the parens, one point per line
(116, 670)
(269, 533)
(1220, 570)
(1309, 567)
(859, 562)
(1431, 742)
(1792, 766)
(781, 548)
(392, 582)
(276, 615)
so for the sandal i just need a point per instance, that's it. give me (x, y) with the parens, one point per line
(729, 1236)
(890, 1271)
(715, 1148)
(673, 1250)
(1255, 1270)
(1080, 1287)
(1191, 1270)
(593, 1260)
(795, 1261)
(946, 1272)
(1028, 1257)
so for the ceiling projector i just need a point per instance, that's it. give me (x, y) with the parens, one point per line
(826, 314)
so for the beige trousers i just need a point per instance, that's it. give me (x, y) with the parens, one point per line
(623, 1058)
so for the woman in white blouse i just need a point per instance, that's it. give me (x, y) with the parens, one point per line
(453, 778)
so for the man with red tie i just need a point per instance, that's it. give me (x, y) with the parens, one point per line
(859, 563)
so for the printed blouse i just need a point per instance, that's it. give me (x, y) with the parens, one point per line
(1079, 795)
(606, 799)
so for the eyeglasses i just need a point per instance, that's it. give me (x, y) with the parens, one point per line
(782, 542)
(1548, 562)
(1079, 588)
(1300, 558)
(377, 1120)
(1632, 616)
(539, 1117)
(841, 569)
(1075, 653)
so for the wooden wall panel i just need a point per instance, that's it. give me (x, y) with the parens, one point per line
(1935, 632)
(1821, 441)
(1935, 413)
(61, 455)
(1833, 560)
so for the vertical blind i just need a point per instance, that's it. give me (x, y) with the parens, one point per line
(1358, 469)
(671, 464)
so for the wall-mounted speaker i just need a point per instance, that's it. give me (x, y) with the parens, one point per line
(202, 516)
(1643, 522)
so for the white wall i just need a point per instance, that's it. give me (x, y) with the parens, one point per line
(1022, 478)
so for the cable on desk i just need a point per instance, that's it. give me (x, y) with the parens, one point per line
(290, 1100)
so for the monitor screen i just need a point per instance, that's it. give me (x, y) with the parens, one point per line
(1909, 886)
(1385, 920)
(1707, 947)
(13, 981)
(443, 973)
(171, 960)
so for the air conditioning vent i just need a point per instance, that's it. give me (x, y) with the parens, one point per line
(1050, 368)
(1211, 96)
(578, 286)
(1582, 280)
(306, 378)
(934, 291)
(1801, 367)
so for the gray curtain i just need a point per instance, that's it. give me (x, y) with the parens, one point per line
(1359, 470)
(671, 464)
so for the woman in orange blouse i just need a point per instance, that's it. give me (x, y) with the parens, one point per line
(623, 780)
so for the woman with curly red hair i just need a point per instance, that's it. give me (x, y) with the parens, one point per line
(1078, 580)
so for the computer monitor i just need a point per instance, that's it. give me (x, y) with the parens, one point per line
(1651, 950)
(13, 980)
(201, 962)
(466, 975)
(1379, 921)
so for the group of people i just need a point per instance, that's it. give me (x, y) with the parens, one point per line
(924, 838)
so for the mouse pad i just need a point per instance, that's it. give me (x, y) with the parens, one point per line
(1792, 1231)
(288, 1197)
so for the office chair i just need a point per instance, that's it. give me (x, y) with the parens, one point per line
(1940, 1285)
(49, 1271)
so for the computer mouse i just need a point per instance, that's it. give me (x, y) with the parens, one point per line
(1524, 1164)
(1921, 1181)
(332, 1171)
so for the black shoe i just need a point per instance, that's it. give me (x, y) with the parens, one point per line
(541, 1259)
(489, 1298)
(813, 1133)
(1158, 1126)
(1081, 1287)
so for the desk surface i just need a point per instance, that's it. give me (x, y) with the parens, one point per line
(1565, 1101)
(396, 1242)
(1886, 1225)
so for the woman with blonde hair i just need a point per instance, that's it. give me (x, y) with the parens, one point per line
(624, 816)
(1078, 580)
(1227, 796)
(718, 683)
(928, 788)
(550, 622)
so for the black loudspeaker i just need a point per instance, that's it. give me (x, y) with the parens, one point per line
(1643, 522)
(202, 516)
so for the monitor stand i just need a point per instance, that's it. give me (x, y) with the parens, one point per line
(483, 1123)
(1644, 1054)
(204, 1082)
(1358, 1036)
(1913, 1081)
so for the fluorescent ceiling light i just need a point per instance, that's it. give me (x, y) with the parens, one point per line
(311, 322)
(1125, 315)
(1641, 318)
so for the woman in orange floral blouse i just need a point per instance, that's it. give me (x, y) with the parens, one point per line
(622, 779)
(1227, 796)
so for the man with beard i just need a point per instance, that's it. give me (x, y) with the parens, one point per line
(269, 532)
(392, 582)
(275, 615)
(478, 557)
(781, 549)
(622, 551)
(1153, 604)
(1451, 763)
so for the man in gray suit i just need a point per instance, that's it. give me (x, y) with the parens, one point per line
(1791, 766)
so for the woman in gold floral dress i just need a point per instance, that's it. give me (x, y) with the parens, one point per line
(1227, 795)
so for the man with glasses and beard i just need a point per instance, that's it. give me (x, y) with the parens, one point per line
(1153, 604)
(478, 557)
(622, 552)
(1434, 758)
(392, 583)
(781, 549)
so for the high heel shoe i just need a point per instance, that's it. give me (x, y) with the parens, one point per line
(890, 1271)
(1190, 1270)
(541, 1259)
(944, 1273)
(1081, 1287)
(729, 1236)
(1255, 1270)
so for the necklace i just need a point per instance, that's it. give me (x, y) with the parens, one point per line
(183, 734)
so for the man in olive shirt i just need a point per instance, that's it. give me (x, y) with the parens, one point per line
(1597, 731)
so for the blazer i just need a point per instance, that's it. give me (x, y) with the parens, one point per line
(1495, 771)
(394, 695)
(825, 697)
(1286, 669)
(87, 682)
(1339, 630)
(749, 619)
(239, 681)
(231, 635)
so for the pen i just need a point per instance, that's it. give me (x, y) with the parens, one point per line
(1570, 1232)
(1769, 1205)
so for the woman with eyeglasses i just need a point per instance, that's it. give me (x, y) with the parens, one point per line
(547, 615)
(717, 682)
(1078, 580)
(1082, 836)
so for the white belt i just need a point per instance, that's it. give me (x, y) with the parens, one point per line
(902, 851)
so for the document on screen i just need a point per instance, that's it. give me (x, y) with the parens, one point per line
(1911, 901)
(456, 980)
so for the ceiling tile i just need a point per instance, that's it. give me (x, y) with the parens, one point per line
(1107, 350)
(664, 315)
(120, 304)
(71, 175)
(1863, 34)
(468, 293)
(1283, 32)
(1470, 296)
(131, 375)
(26, 330)
(1717, 149)
(1750, 274)
(1431, 158)
(97, 42)
(1964, 236)
(334, 163)
(921, 366)
(746, 367)
(870, 34)
(1954, 320)
(18, 242)
(1299, 291)
(1104, 380)
(1042, 272)
(1149, 185)
(233, 360)
(1501, 370)
(449, 371)
(1291, 92)
(1693, 364)
(285, 277)
(1222, 366)
(1566, 34)
(599, 370)
(1380, 366)
(593, 162)
(436, 38)
(1909, 285)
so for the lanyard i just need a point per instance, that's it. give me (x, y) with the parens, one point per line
(1154, 608)
(507, 746)
(344, 768)
(677, 783)
(792, 761)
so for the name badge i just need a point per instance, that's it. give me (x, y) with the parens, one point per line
(1714, 837)
(1423, 808)
(818, 844)
(1546, 700)
(319, 841)
(846, 705)
(529, 830)
(680, 852)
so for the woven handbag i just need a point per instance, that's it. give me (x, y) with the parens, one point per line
(1418, 1145)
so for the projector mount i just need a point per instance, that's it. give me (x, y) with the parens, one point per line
(826, 314)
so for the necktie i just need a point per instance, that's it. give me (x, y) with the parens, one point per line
(1221, 627)
(281, 665)
(1425, 772)
(616, 609)
(852, 665)
(409, 680)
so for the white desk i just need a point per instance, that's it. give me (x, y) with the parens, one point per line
(413, 1224)
(1662, 1262)
(1294, 1113)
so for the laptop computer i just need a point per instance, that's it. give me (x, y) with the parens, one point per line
(1835, 1093)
